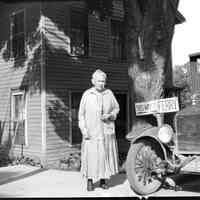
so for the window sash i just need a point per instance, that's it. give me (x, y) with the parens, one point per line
(18, 117)
(18, 45)
(78, 43)
(18, 23)
(79, 34)
(18, 34)
(19, 129)
(18, 106)
(117, 47)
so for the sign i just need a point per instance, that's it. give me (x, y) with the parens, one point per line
(157, 106)
(168, 105)
(146, 108)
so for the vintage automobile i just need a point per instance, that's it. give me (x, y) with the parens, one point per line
(158, 152)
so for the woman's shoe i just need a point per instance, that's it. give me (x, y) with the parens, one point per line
(103, 184)
(90, 186)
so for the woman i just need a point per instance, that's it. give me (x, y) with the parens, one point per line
(97, 112)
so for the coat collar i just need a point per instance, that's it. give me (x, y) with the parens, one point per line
(94, 91)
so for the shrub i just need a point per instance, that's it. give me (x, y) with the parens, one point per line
(71, 162)
(4, 158)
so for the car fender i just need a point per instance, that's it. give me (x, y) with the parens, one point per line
(151, 134)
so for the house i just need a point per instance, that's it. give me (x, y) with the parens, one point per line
(48, 51)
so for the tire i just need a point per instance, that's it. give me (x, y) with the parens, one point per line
(141, 159)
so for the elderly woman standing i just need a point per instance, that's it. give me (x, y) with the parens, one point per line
(97, 112)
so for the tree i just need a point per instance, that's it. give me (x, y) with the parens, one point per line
(149, 29)
(182, 79)
(181, 75)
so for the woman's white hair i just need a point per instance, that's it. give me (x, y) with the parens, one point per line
(99, 72)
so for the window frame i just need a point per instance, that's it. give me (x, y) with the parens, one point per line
(122, 57)
(12, 35)
(80, 28)
(15, 92)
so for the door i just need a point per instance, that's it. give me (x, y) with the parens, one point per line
(121, 123)
(76, 136)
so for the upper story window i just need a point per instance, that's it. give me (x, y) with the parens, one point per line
(18, 34)
(117, 40)
(79, 33)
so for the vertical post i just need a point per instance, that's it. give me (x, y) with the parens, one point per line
(43, 89)
(160, 118)
(22, 151)
(70, 116)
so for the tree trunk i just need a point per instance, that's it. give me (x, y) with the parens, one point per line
(149, 29)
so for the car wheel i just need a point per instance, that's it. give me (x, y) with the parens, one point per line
(143, 157)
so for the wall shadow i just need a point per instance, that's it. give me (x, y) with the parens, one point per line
(59, 115)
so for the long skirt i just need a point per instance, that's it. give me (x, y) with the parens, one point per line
(99, 158)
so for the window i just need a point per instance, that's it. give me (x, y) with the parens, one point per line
(18, 117)
(117, 40)
(79, 34)
(18, 34)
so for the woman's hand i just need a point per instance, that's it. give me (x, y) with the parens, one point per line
(86, 137)
(106, 117)
(85, 134)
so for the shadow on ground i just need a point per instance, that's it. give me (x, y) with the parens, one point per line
(7, 176)
(7, 196)
(188, 182)
(115, 180)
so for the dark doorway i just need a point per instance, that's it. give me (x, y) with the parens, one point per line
(76, 136)
(121, 123)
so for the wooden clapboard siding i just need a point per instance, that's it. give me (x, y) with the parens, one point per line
(65, 73)
(18, 73)
(118, 11)
(74, 75)
(34, 122)
(52, 162)
(57, 123)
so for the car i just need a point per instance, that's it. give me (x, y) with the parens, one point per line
(159, 151)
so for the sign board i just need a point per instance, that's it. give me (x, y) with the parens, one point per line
(157, 106)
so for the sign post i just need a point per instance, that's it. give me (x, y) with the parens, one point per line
(157, 106)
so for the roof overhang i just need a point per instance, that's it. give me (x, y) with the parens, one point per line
(194, 56)
(179, 18)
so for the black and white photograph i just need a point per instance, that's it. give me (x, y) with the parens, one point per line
(99, 98)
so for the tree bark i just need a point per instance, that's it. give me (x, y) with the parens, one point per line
(149, 29)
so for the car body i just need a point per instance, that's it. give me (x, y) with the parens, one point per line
(159, 151)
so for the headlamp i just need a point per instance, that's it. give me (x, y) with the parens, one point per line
(165, 133)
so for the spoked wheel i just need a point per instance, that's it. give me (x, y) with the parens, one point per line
(142, 160)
